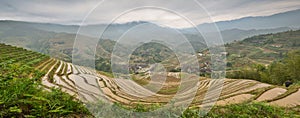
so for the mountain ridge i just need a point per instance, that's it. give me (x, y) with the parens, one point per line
(284, 19)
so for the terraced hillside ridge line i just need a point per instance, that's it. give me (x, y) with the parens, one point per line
(39, 67)
(22, 95)
(11, 54)
(271, 94)
(69, 68)
(235, 99)
(60, 67)
(289, 101)
(45, 79)
(91, 86)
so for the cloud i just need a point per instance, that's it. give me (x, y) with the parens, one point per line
(74, 11)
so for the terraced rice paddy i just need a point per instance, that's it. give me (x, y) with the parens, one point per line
(89, 85)
(10, 54)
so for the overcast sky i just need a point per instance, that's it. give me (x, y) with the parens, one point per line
(74, 11)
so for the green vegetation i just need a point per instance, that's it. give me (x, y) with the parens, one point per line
(287, 69)
(151, 53)
(270, 58)
(148, 53)
(21, 93)
(103, 64)
(246, 110)
(261, 49)
(276, 73)
(242, 110)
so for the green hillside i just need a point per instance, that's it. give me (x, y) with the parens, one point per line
(267, 58)
(21, 92)
(33, 78)
(263, 49)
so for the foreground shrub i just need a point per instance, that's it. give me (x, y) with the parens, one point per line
(24, 96)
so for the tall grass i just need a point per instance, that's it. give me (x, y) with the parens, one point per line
(23, 96)
(242, 110)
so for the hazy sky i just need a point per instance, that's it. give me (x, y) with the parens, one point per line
(74, 11)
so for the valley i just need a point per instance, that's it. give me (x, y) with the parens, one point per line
(89, 85)
(243, 61)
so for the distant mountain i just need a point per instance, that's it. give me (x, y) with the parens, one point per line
(238, 34)
(110, 31)
(58, 45)
(36, 36)
(230, 30)
(57, 40)
(26, 34)
(41, 26)
(286, 19)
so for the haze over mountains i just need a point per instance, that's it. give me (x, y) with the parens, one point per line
(285, 19)
(37, 36)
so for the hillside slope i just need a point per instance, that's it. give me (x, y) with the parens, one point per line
(262, 49)
(89, 85)
(92, 85)
(21, 91)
